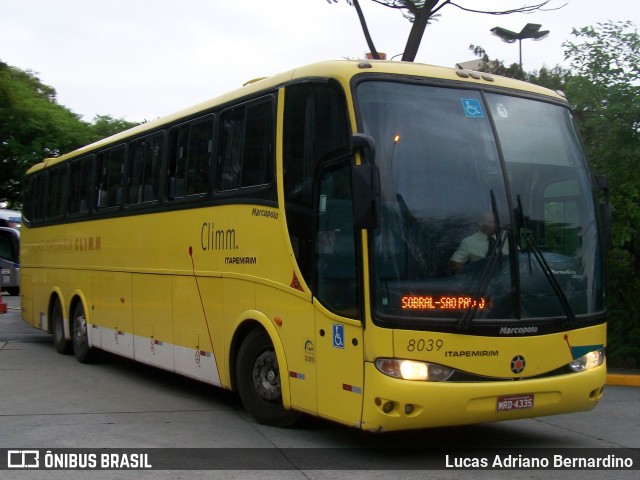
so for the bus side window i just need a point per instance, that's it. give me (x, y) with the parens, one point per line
(80, 183)
(191, 147)
(200, 150)
(40, 188)
(57, 192)
(246, 146)
(145, 156)
(6, 246)
(178, 160)
(258, 145)
(111, 175)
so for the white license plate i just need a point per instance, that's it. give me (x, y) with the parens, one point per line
(514, 402)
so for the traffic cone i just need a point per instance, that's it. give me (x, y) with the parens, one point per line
(3, 306)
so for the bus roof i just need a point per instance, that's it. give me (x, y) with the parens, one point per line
(342, 70)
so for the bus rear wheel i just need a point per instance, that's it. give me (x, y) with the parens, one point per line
(81, 348)
(258, 381)
(61, 344)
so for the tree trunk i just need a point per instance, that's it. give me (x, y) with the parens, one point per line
(365, 30)
(415, 35)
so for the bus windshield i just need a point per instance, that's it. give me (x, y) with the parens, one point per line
(487, 207)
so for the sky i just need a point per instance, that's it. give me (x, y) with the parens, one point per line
(142, 59)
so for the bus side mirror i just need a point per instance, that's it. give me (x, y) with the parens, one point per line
(365, 184)
(367, 146)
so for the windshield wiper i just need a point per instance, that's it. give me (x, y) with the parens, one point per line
(548, 273)
(546, 269)
(495, 256)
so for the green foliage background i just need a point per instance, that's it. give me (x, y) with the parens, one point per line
(33, 126)
(605, 90)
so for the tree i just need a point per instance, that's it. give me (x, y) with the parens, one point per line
(33, 126)
(497, 67)
(363, 24)
(421, 12)
(556, 78)
(105, 126)
(605, 93)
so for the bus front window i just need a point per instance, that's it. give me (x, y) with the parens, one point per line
(452, 244)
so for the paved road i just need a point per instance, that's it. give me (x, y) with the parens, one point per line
(50, 401)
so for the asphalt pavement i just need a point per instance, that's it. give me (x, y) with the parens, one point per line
(50, 402)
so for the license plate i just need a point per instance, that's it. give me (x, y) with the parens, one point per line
(514, 402)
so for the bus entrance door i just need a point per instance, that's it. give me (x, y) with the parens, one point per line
(339, 362)
(340, 352)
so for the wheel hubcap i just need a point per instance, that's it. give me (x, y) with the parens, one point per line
(80, 329)
(266, 376)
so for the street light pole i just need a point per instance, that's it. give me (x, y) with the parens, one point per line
(520, 49)
(530, 30)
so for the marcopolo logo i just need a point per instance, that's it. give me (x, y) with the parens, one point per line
(518, 330)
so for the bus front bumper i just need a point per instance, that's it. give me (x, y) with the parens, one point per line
(393, 404)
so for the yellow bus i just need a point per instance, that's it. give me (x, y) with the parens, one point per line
(312, 241)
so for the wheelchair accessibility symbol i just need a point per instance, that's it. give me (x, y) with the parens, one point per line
(338, 336)
(472, 108)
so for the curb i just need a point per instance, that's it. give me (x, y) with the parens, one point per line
(625, 380)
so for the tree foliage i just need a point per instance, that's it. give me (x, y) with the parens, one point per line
(555, 78)
(104, 126)
(603, 86)
(422, 12)
(34, 126)
(605, 92)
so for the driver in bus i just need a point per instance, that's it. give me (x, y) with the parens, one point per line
(477, 245)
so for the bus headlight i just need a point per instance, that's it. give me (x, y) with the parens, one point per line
(413, 370)
(588, 361)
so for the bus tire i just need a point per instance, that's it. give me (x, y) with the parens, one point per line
(81, 348)
(61, 344)
(258, 381)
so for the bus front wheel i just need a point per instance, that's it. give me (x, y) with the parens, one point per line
(81, 348)
(258, 381)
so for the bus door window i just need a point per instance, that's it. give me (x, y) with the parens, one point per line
(337, 286)
(315, 131)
